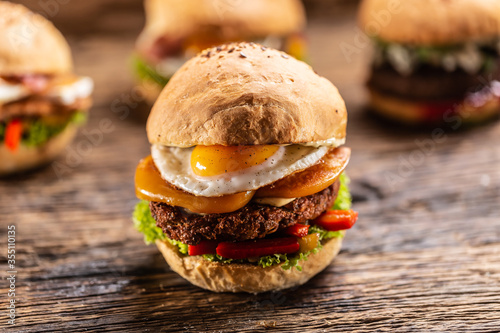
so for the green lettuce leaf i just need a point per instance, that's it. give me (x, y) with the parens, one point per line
(344, 199)
(288, 261)
(218, 258)
(2, 131)
(145, 223)
(36, 131)
(434, 54)
(79, 118)
(325, 234)
(146, 72)
(183, 248)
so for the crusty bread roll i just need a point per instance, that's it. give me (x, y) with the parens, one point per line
(430, 22)
(248, 278)
(414, 112)
(30, 44)
(26, 158)
(235, 20)
(244, 94)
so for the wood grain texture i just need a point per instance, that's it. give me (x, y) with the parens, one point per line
(424, 256)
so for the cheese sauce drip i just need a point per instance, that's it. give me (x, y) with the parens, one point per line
(151, 186)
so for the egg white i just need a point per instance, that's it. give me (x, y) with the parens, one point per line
(174, 164)
(66, 93)
(10, 92)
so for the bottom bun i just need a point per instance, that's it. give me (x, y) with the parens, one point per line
(26, 158)
(417, 112)
(248, 278)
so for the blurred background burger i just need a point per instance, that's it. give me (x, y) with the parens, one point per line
(176, 30)
(41, 100)
(435, 61)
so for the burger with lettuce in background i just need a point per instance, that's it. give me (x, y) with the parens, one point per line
(177, 30)
(42, 101)
(435, 62)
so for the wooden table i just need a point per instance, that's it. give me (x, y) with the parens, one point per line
(424, 256)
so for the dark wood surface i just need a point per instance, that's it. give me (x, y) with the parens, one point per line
(423, 257)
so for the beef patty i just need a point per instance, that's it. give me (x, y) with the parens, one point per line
(430, 83)
(40, 106)
(250, 222)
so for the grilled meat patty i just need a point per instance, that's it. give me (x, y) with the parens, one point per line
(250, 222)
(39, 106)
(430, 83)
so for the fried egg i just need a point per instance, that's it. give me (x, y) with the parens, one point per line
(65, 92)
(213, 171)
(68, 93)
(10, 92)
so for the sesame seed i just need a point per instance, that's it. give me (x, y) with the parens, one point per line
(285, 56)
(263, 48)
(219, 48)
(242, 55)
(230, 50)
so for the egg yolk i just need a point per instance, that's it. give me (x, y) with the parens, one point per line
(209, 161)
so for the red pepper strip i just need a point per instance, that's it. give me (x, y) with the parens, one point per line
(258, 248)
(13, 134)
(204, 247)
(334, 220)
(297, 230)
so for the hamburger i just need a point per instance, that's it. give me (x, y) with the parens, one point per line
(177, 30)
(42, 101)
(434, 61)
(244, 190)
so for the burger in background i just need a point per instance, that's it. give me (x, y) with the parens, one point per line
(434, 61)
(245, 187)
(42, 101)
(177, 30)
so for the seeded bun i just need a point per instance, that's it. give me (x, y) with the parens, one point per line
(29, 44)
(248, 278)
(245, 94)
(415, 112)
(232, 20)
(430, 22)
(26, 158)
